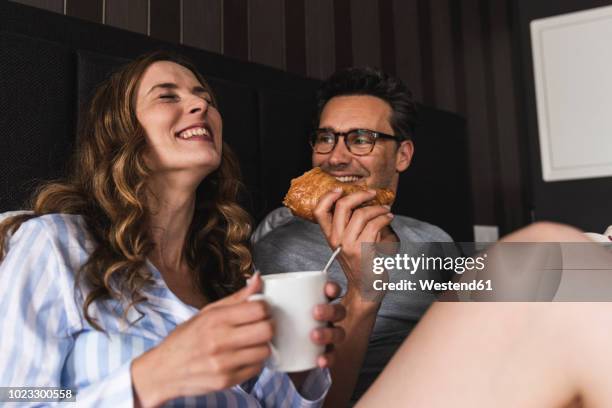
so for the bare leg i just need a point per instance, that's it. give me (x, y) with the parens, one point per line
(504, 354)
(546, 232)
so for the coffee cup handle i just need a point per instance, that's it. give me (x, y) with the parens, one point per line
(275, 356)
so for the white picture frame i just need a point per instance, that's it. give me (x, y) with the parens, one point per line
(572, 63)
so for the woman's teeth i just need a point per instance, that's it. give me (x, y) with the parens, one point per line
(186, 134)
(347, 179)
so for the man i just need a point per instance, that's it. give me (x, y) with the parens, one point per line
(365, 121)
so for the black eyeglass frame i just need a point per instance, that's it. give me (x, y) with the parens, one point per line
(375, 134)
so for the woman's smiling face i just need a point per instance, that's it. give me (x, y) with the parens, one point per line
(182, 127)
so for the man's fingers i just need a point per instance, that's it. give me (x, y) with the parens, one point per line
(323, 211)
(344, 209)
(362, 218)
(332, 312)
(371, 232)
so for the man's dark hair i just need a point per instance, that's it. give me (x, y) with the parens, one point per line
(370, 81)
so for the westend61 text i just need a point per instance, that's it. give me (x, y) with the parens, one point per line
(432, 285)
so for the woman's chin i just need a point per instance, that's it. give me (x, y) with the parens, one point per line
(188, 170)
(199, 160)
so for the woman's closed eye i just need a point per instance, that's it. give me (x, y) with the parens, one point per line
(168, 96)
(206, 96)
(173, 97)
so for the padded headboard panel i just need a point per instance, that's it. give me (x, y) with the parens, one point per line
(50, 64)
(36, 115)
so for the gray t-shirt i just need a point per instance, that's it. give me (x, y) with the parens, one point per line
(284, 243)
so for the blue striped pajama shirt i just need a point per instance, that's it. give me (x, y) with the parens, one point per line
(45, 341)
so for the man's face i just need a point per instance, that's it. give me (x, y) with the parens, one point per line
(380, 168)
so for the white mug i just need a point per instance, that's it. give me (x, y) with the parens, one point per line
(292, 297)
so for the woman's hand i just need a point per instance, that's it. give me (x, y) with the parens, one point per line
(344, 223)
(331, 335)
(225, 344)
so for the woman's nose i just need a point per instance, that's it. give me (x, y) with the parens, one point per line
(198, 105)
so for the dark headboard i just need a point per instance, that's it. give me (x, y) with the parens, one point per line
(50, 63)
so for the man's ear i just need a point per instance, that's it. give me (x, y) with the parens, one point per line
(403, 156)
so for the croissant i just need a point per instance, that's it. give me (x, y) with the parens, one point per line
(306, 190)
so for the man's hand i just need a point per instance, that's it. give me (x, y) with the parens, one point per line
(345, 223)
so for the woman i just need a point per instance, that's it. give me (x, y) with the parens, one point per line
(127, 282)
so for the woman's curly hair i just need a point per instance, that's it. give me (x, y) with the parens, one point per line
(107, 187)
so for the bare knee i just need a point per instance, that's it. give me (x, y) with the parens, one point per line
(546, 231)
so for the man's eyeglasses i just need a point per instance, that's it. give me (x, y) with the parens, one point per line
(358, 141)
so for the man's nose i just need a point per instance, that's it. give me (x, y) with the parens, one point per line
(340, 154)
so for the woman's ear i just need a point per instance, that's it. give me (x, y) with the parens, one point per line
(403, 156)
